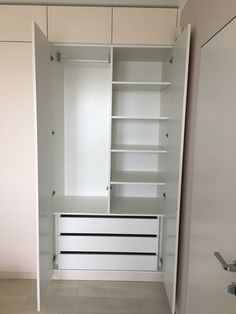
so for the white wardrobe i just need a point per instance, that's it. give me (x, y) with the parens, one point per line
(110, 135)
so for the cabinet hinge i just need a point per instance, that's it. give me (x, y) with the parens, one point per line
(53, 193)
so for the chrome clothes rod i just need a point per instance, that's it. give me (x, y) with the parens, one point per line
(84, 60)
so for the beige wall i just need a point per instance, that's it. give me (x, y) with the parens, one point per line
(206, 18)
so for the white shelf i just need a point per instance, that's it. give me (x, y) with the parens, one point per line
(136, 177)
(138, 118)
(126, 85)
(80, 205)
(121, 148)
(137, 206)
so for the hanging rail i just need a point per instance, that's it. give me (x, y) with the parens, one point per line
(60, 59)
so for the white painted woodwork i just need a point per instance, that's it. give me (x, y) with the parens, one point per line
(87, 99)
(173, 172)
(108, 244)
(79, 24)
(213, 197)
(150, 86)
(17, 162)
(144, 26)
(119, 148)
(137, 206)
(16, 21)
(107, 262)
(80, 204)
(42, 70)
(108, 225)
(107, 275)
(136, 177)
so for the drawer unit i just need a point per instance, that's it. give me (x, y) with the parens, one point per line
(107, 242)
(108, 224)
(107, 262)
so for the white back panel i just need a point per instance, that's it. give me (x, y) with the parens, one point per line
(43, 74)
(87, 103)
(177, 97)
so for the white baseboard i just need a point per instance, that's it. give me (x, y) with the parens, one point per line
(107, 275)
(17, 275)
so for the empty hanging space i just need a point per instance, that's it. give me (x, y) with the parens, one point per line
(87, 88)
(139, 127)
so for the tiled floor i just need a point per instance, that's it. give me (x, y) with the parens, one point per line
(84, 297)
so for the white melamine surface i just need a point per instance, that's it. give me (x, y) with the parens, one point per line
(138, 148)
(135, 132)
(138, 118)
(136, 177)
(129, 85)
(18, 200)
(137, 205)
(144, 54)
(87, 100)
(43, 105)
(143, 103)
(213, 197)
(80, 204)
(173, 177)
(113, 244)
(112, 225)
(107, 262)
(84, 25)
(16, 21)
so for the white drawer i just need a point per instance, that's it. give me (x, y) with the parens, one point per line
(108, 244)
(79, 224)
(107, 262)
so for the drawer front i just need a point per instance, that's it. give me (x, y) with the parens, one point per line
(108, 225)
(108, 244)
(107, 262)
(79, 24)
(144, 26)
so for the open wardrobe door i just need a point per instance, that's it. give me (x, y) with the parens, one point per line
(42, 65)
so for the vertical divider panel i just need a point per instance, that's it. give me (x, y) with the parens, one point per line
(110, 133)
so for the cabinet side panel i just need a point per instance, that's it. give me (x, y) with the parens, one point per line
(16, 21)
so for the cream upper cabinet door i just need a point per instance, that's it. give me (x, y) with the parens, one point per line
(16, 21)
(79, 24)
(144, 26)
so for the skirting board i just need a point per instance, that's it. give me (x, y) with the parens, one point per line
(17, 275)
(107, 275)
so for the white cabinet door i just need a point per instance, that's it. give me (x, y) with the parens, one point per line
(144, 26)
(17, 160)
(16, 21)
(85, 25)
(178, 94)
(42, 66)
(213, 212)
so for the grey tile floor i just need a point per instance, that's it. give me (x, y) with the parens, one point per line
(84, 297)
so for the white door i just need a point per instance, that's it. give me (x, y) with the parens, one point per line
(42, 66)
(214, 179)
(178, 95)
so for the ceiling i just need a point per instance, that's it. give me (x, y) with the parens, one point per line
(146, 3)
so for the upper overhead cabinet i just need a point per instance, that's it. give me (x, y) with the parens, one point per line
(85, 25)
(16, 21)
(144, 26)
